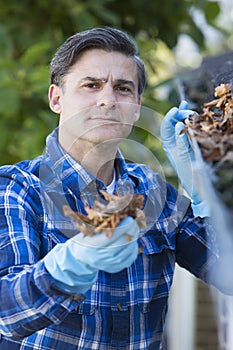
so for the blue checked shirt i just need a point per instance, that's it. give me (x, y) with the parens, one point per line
(125, 310)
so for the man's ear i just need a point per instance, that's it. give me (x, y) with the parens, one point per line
(54, 96)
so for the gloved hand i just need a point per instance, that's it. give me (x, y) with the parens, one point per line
(181, 155)
(75, 264)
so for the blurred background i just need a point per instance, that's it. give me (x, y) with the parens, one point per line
(174, 38)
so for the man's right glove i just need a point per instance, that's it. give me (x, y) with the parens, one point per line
(181, 155)
(75, 264)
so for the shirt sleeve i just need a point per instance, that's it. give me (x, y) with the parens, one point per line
(196, 248)
(29, 298)
(201, 251)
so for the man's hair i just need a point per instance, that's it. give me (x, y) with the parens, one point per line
(108, 39)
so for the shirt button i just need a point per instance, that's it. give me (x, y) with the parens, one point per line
(119, 307)
(78, 297)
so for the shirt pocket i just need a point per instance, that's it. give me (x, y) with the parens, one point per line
(154, 270)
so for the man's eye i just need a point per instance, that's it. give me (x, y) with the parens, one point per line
(92, 86)
(124, 89)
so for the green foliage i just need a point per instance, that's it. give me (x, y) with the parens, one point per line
(158, 21)
(31, 31)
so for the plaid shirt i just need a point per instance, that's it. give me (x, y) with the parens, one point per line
(125, 310)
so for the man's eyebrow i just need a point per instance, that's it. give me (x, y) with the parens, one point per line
(117, 82)
(93, 79)
(125, 82)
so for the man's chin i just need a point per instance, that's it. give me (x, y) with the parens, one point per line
(103, 139)
(107, 132)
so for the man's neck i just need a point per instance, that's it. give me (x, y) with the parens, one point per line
(97, 159)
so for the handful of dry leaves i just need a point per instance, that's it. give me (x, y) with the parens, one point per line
(105, 217)
(213, 130)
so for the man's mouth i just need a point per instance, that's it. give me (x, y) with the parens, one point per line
(106, 119)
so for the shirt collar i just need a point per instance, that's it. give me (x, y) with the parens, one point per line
(78, 179)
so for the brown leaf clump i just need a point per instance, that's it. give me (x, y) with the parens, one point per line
(213, 129)
(104, 217)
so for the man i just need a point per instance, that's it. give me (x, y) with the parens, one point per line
(59, 288)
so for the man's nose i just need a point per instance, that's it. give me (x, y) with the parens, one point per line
(107, 97)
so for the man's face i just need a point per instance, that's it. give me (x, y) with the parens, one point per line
(99, 100)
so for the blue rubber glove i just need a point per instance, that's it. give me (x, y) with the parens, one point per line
(75, 264)
(181, 155)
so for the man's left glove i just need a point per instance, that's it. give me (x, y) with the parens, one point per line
(181, 155)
